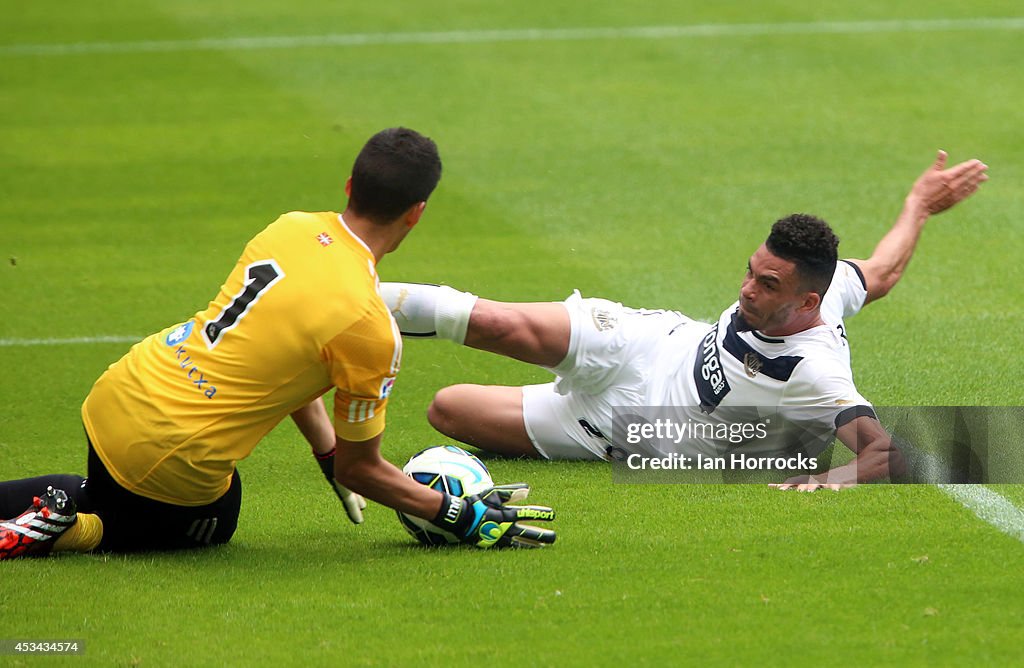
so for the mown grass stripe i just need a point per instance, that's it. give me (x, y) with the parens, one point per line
(516, 35)
(71, 341)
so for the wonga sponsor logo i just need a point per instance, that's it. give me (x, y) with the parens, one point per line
(708, 373)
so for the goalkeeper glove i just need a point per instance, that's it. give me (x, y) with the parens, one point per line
(485, 521)
(354, 503)
(513, 492)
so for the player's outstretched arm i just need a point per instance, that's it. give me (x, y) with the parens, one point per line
(483, 520)
(936, 190)
(359, 466)
(876, 458)
(314, 424)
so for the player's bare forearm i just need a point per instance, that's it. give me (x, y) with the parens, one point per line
(876, 459)
(359, 466)
(935, 191)
(891, 256)
(874, 462)
(315, 425)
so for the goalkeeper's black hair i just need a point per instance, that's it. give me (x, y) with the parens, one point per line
(396, 169)
(809, 243)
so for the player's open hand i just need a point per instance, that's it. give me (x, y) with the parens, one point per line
(939, 188)
(807, 486)
(809, 483)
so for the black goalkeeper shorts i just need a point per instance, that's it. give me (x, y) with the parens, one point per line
(134, 523)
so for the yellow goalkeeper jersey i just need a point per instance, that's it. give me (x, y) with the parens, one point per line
(299, 313)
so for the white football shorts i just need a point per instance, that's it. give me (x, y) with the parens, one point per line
(611, 355)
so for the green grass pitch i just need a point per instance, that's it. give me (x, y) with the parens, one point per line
(643, 169)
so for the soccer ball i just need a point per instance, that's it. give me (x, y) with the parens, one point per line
(446, 468)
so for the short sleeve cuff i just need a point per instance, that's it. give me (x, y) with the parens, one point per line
(359, 431)
(860, 274)
(850, 414)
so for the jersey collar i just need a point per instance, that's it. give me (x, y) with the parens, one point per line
(739, 325)
(355, 236)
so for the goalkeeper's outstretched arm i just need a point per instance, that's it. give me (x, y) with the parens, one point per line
(482, 520)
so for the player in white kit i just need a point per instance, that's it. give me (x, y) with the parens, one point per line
(781, 347)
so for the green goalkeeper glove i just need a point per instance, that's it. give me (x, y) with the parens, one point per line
(354, 503)
(485, 521)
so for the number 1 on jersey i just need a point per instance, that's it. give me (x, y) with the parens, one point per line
(259, 277)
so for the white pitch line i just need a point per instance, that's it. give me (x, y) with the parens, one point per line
(76, 340)
(990, 506)
(516, 35)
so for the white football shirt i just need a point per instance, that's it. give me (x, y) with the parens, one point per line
(799, 387)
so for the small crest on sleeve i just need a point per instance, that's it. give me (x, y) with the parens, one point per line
(179, 333)
(385, 387)
(604, 320)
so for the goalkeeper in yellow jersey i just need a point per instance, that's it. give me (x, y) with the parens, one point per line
(299, 314)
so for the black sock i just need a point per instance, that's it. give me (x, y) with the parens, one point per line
(16, 495)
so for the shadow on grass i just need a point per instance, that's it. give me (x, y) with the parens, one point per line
(245, 555)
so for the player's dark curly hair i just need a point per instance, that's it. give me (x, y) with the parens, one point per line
(396, 169)
(810, 244)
